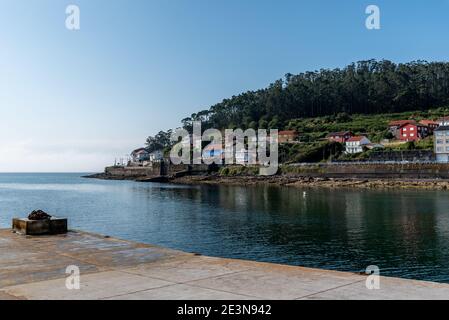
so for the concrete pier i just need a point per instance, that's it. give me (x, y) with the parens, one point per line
(35, 268)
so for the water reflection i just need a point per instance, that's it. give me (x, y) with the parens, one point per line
(405, 233)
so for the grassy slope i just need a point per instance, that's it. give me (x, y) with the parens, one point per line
(375, 127)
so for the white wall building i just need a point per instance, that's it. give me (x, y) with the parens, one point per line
(441, 142)
(140, 155)
(356, 144)
(157, 155)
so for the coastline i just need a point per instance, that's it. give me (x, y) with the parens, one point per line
(314, 182)
(294, 181)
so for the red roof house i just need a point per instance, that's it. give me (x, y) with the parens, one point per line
(412, 132)
(287, 136)
(432, 125)
(356, 144)
(340, 137)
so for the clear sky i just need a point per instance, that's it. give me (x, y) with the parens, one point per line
(75, 100)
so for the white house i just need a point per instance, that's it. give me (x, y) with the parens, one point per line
(140, 155)
(243, 156)
(356, 144)
(441, 141)
(156, 155)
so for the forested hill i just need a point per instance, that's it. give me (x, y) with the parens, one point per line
(365, 87)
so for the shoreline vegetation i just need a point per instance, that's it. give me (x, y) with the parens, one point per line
(296, 181)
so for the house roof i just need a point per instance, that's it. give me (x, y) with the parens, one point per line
(414, 124)
(401, 123)
(442, 128)
(428, 122)
(140, 150)
(338, 134)
(356, 138)
(443, 119)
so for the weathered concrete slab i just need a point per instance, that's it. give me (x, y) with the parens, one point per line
(5, 296)
(191, 268)
(390, 289)
(100, 285)
(183, 292)
(35, 268)
(279, 282)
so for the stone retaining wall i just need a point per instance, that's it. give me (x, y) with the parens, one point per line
(153, 171)
(369, 170)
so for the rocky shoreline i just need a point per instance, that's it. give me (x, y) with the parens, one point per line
(104, 176)
(294, 181)
(313, 182)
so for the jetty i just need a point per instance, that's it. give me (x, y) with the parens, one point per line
(36, 268)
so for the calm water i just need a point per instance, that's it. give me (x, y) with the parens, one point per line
(405, 233)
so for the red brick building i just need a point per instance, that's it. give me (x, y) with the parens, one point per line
(412, 132)
(395, 126)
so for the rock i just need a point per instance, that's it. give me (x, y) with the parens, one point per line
(39, 215)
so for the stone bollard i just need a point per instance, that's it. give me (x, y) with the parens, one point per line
(39, 223)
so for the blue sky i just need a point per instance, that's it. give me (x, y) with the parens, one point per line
(75, 100)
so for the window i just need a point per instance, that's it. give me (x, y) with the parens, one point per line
(440, 134)
(447, 148)
(405, 129)
(447, 133)
(412, 134)
(439, 141)
(404, 135)
(439, 149)
(412, 129)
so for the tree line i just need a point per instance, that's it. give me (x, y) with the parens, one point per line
(364, 87)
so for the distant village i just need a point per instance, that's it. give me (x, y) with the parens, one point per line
(402, 131)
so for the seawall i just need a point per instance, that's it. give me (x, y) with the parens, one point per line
(370, 170)
(153, 171)
(425, 175)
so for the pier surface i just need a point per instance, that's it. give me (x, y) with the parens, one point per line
(35, 268)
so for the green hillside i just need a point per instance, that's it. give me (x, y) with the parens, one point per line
(362, 97)
(313, 131)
